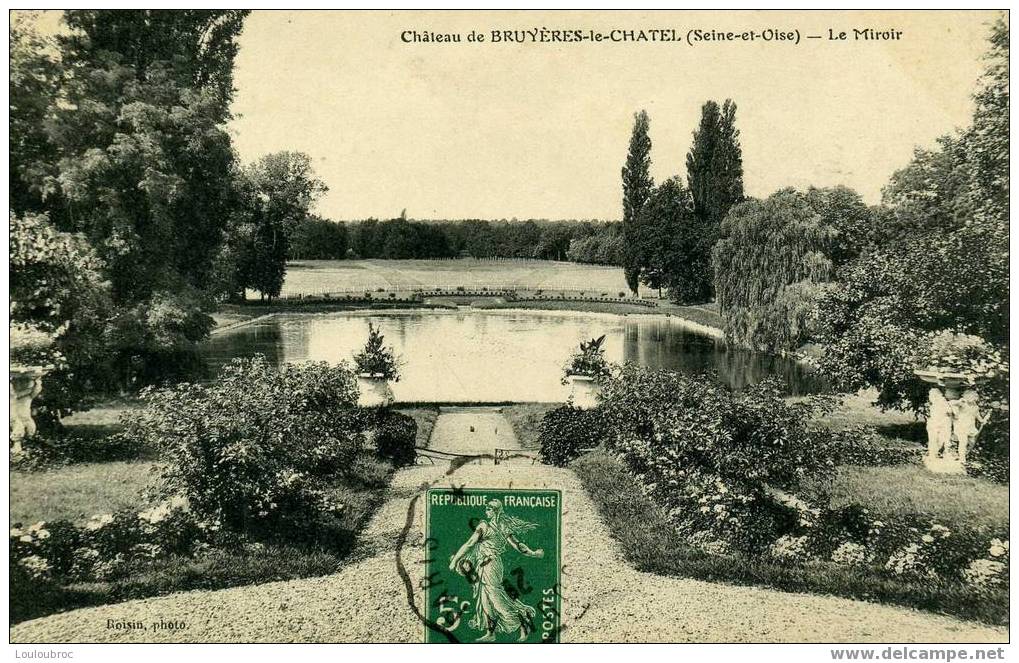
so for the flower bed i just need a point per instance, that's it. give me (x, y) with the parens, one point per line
(726, 470)
(650, 543)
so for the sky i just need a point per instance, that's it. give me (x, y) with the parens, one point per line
(540, 130)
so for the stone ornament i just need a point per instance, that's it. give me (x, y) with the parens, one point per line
(953, 423)
(26, 385)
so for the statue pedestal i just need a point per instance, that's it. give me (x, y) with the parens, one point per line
(373, 391)
(583, 391)
(26, 384)
(937, 465)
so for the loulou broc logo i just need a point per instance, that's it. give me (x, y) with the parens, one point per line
(493, 562)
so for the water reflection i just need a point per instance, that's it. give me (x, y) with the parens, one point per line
(471, 355)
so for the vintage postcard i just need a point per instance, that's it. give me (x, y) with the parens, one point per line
(513, 327)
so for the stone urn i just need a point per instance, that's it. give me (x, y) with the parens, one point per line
(26, 384)
(373, 390)
(954, 419)
(583, 391)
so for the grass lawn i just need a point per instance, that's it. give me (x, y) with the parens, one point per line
(859, 410)
(106, 414)
(77, 492)
(526, 421)
(912, 489)
(650, 544)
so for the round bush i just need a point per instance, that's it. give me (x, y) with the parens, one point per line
(395, 439)
(254, 444)
(565, 432)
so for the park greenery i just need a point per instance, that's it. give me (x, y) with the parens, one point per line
(869, 288)
(131, 216)
(670, 229)
(741, 486)
(267, 468)
(133, 220)
(584, 241)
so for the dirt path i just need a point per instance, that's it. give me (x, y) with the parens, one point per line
(372, 599)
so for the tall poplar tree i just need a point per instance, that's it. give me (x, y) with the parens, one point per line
(637, 187)
(714, 167)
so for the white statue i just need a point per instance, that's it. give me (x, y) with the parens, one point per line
(939, 425)
(968, 421)
(24, 388)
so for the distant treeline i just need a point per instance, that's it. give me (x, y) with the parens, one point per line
(589, 241)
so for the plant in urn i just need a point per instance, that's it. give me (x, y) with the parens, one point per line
(957, 365)
(584, 371)
(376, 367)
(31, 358)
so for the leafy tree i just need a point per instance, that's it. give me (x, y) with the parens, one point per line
(945, 266)
(765, 248)
(33, 87)
(524, 237)
(316, 238)
(666, 234)
(145, 163)
(276, 193)
(637, 187)
(714, 167)
(554, 243)
(988, 138)
(199, 45)
(858, 228)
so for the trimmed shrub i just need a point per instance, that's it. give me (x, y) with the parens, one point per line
(395, 439)
(565, 432)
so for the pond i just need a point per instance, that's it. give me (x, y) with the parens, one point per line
(493, 356)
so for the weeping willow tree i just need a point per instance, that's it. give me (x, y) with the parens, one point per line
(768, 262)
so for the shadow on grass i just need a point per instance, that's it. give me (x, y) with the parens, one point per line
(217, 570)
(651, 544)
(914, 431)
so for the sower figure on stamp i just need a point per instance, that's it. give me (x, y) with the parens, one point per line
(480, 560)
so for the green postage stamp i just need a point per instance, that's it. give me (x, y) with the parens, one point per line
(492, 565)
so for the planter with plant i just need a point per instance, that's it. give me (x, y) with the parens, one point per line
(32, 357)
(957, 368)
(585, 369)
(377, 366)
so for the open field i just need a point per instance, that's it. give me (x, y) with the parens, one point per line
(316, 277)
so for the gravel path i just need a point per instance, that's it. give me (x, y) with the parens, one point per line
(604, 599)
